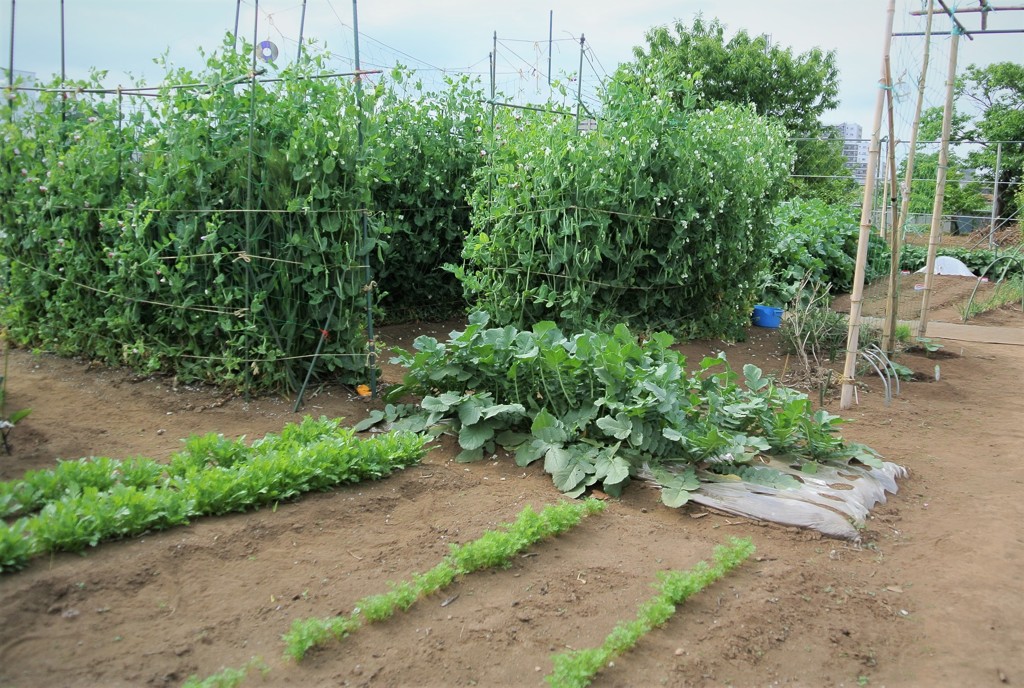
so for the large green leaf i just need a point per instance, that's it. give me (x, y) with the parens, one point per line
(610, 468)
(618, 427)
(676, 489)
(474, 436)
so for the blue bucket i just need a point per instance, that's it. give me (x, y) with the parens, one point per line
(767, 316)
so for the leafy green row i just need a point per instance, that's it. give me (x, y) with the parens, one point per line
(493, 548)
(36, 488)
(90, 516)
(601, 408)
(577, 669)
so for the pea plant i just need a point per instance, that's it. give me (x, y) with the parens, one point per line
(602, 408)
(225, 231)
(658, 218)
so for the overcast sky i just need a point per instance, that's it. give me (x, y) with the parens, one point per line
(123, 36)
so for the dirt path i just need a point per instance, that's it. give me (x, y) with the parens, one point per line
(934, 597)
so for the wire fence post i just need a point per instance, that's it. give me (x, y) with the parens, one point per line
(371, 358)
(995, 196)
(63, 75)
(579, 84)
(249, 198)
(10, 69)
(238, 11)
(302, 29)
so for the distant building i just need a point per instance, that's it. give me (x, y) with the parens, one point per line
(855, 148)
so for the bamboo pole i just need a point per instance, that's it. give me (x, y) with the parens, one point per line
(895, 235)
(892, 303)
(883, 216)
(940, 185)
(856, 298)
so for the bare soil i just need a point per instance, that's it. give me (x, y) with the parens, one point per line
(933, 597)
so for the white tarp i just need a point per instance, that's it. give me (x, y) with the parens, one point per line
(947, 265)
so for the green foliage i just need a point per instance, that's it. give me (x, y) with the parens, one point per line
(816, 241)
(37, 488)
(84, 503)
(578, 668)
(69, 478)
(995, 92)
(656, 219)
(130, 233)
(795, 89)
(820, 171)
(602, 408)
(422, 150)
(961, 197)
(1006, 293)
(493, 548)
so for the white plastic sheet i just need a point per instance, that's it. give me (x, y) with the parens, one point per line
(947, 265)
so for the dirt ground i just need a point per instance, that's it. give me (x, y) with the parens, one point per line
(934, 596)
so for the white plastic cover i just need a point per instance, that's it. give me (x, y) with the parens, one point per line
(947, 265)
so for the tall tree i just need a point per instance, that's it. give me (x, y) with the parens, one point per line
(794, 89)
(996, 93)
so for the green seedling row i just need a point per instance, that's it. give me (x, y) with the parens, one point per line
(228, 677)
(300, 460)
(578, 668)
(494, 548)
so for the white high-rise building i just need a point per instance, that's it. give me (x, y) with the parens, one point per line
(855, 149)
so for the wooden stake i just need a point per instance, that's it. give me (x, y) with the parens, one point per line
(856, 298)
(892, 303)
(940, 185)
